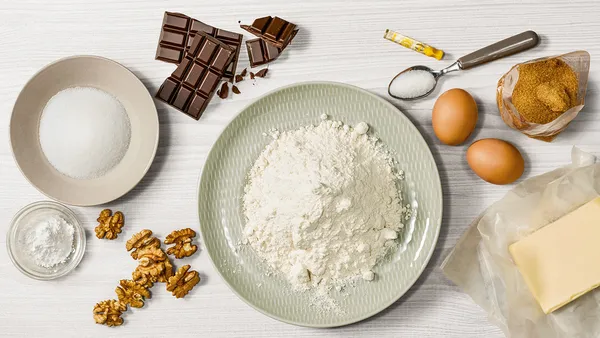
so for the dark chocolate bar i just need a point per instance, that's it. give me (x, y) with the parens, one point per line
(178, 31)
(193, 83)
(261, 52)
(275, 30)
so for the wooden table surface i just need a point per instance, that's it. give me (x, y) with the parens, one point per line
(338, 41)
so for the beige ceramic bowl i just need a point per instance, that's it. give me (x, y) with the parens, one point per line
(88, 71)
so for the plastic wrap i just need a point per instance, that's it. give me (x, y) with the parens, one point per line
(579, 61)
(481, 265)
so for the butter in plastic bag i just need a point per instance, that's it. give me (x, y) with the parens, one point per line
(481, 265)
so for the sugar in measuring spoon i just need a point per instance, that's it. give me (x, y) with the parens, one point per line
(419, 81)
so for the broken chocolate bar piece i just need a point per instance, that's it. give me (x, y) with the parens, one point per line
(224, 91)
(262, 72)
(275, 31)
(261, 52)
(178, 31)
(193, 83)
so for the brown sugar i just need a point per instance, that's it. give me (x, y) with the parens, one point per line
(545, 90)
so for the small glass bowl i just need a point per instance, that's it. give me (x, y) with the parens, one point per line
(36, 212)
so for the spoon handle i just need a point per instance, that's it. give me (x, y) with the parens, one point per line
(506, 47)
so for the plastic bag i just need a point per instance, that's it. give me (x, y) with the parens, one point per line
(481, 265)
(579, 61)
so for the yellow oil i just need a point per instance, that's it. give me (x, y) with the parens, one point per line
(413, 44)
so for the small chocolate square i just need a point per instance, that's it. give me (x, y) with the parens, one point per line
(182, 68)
(199, 26)
(168, 53)
(219, 63)
(260, 25)
(176, 21)
(256, 52)
(209, 83)
(226, 36)
(182, 97)
(273, 30)
(197, 106)
(173, 38)
(167, 90)
(206, 52)
(194, 75)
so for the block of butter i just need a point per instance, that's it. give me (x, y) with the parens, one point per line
(561, 261)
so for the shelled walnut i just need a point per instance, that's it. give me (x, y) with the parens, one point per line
(154, 264)
(183, 281)
(151, 262)
(154, 267)
(141, 240)
(183, 243)
(151, 253)
(132, 293)
(167, 272)
(142, 279)
(108, 312)
(110, 225)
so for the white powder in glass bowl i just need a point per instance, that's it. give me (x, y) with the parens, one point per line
(84, 132)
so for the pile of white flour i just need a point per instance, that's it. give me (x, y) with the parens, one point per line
(323, 205)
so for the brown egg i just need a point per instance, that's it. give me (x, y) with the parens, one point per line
(495, 161)
(454, 116)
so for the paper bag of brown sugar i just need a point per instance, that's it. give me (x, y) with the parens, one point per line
(481, 265)
(545, 97)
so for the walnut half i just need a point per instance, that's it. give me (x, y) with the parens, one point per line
(183, 281)
(167, 272)
(110, 225)
(108, 312)
(132, 293)
(151, 261)
(141, 240)
(154, 265)
(142, 279)
(183, 243)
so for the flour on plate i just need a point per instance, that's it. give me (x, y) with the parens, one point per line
(323, 205)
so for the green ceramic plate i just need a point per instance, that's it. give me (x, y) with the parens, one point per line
(223, 178)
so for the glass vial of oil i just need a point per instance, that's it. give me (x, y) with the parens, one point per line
(413, 44)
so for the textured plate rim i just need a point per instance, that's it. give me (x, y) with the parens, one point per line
(438, 184)
(142, 174)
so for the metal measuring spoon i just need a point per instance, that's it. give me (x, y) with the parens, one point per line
(506, 47)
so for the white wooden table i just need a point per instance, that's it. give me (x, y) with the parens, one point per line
(339, 41)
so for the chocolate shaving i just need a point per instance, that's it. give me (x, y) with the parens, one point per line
(224, 91)
(251, 76)
(243, 73)
(235, 89)
(262, 72)
(239, 78)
